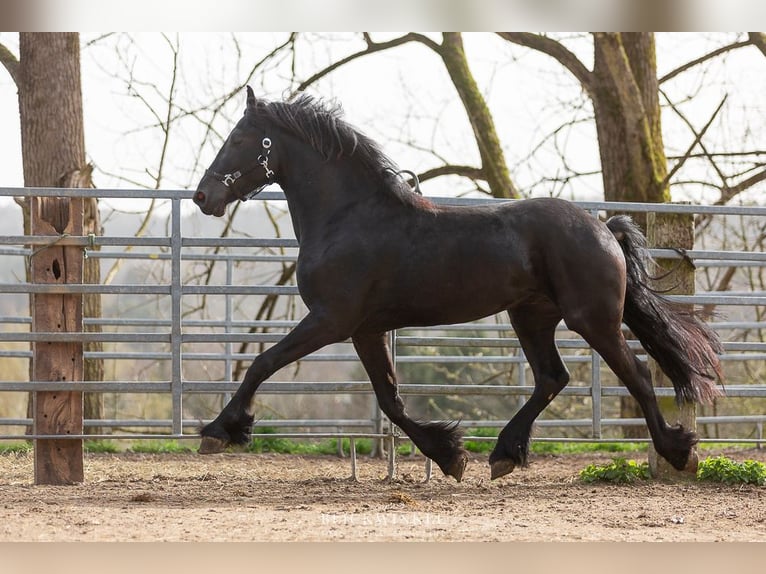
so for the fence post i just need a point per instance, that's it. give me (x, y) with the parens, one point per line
(57, 461)
(668, 231)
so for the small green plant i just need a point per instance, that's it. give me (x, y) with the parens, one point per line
(619, 471)
(723, 469)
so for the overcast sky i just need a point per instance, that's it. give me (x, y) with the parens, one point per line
(396, 97)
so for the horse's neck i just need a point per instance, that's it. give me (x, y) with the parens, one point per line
(318, 193)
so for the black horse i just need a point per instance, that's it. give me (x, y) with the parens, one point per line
(375, 256)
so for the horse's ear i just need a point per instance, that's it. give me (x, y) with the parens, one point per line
(250, 98)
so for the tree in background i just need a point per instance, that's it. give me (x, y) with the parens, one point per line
(47, 75)
(625, 92)
(494, 168)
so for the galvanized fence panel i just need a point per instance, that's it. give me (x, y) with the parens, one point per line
(182, 341)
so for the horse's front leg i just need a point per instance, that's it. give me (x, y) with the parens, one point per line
(441, 442)
(234, 423)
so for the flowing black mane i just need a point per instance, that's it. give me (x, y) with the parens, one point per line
(321, 125)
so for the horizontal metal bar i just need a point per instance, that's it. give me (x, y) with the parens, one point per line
(341, 387)
(64, 288)
(186, 194)
(84, 241)
(195, 436)
(75, 337)
(349, 435)
(86, 386)
(57, 288)
(702, 255)
(240, 290)
(362, 423)
(98, 193)
(191, 356)
(239, 242)
(586, 422)
(168, 423)
(285, 325)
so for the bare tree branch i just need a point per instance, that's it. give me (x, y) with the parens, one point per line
(98, 39)
(493, 161)
(743, 185)
(372, 47)
(759, 41)
(697, 139)
(722, 154)
(705, 58)
(555, 50)
(10, 62)
(461, 170)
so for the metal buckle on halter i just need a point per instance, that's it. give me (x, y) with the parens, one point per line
(263, 159)
(230, 178)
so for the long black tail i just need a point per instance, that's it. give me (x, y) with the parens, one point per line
(683, 345)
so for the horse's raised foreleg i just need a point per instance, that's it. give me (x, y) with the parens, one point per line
(536, 335)
(441, 442)
(234, 423)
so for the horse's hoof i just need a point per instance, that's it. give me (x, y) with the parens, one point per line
(212, 445)
(457, 468)
(502, 467)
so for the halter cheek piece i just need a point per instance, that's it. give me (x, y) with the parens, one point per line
(229, 179)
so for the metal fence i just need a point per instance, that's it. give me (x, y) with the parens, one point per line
(182, 341)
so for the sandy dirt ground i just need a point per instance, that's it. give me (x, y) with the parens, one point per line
(247, 497)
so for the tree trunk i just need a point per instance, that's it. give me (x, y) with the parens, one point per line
(53, 148)
(627, 111)
(492, 157)
(94, 368)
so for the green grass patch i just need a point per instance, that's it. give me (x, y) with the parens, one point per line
(586, 447)
(727, 471)
(619, 471)
(159, 447)
(267, 444)
(101, 447)
(550, 447)
(16, 448)
(480, 446)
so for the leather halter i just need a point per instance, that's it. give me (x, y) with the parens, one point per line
(229, 179)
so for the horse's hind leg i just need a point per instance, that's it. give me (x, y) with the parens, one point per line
(672, 443)
(438, 441)
(535, 328)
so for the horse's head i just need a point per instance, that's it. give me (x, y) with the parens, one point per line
(241, 169)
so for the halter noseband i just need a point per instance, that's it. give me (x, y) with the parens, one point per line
(228, 179)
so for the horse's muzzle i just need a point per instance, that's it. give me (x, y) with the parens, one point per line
(208, 200)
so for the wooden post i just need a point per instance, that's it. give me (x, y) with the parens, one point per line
(57, 461)
(667, 231)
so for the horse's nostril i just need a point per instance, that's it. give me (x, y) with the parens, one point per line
(199, 197)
